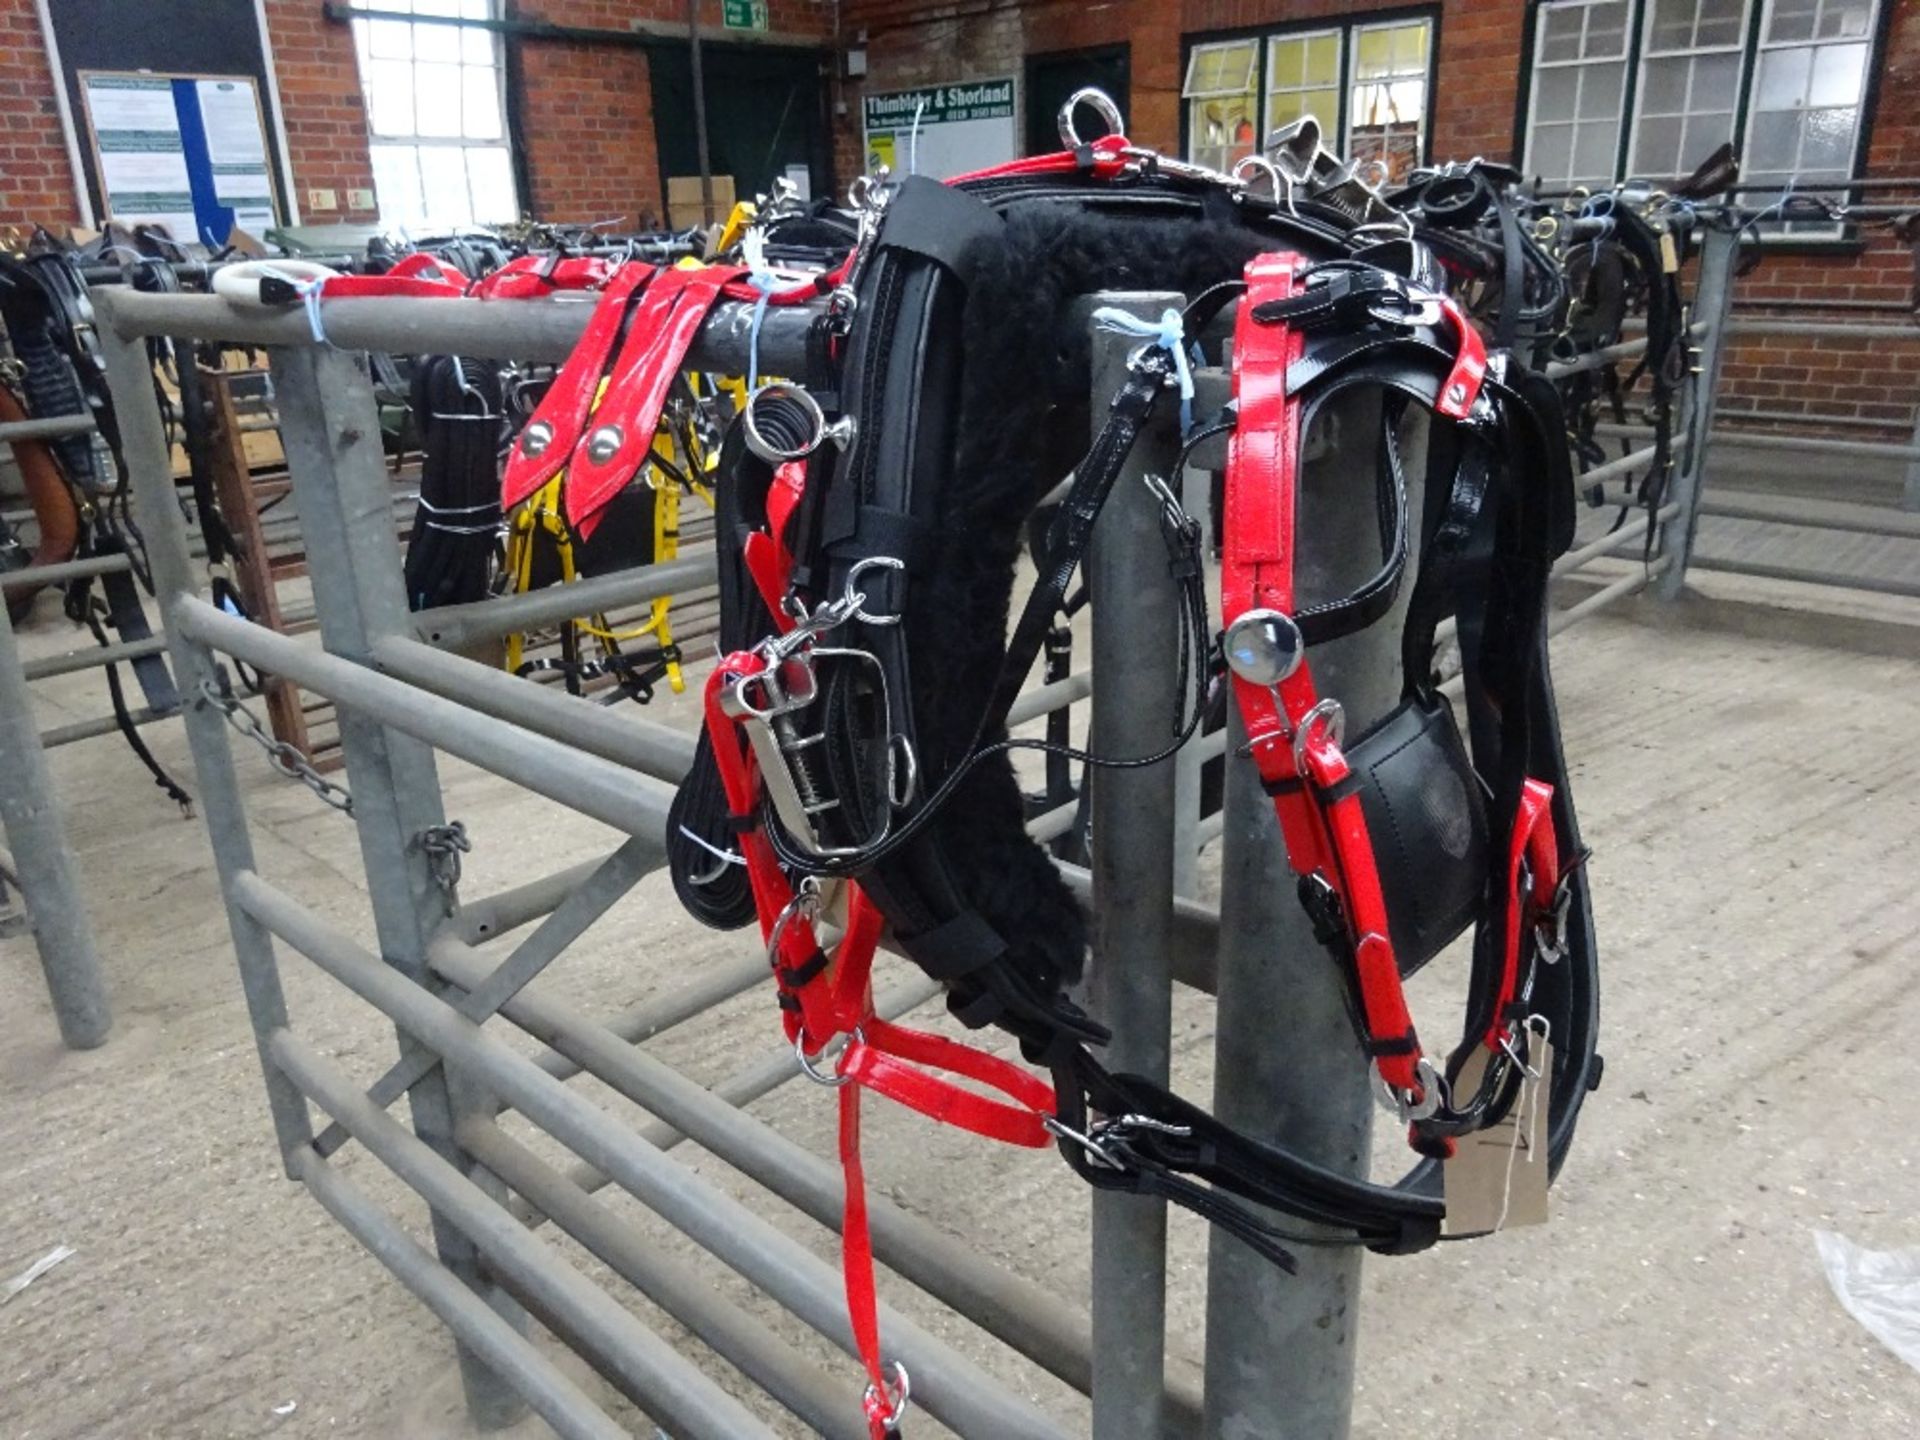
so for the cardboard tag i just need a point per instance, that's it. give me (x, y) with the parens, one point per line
(1669, 253)
(1497, 1179)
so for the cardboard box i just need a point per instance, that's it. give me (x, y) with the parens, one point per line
(683, 200)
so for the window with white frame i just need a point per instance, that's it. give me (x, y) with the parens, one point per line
(1650, 88)
(1579, 87)
(436, 115)
(1367, 85)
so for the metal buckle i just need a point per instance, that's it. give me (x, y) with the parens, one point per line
(1550, 926)
(1054, 1126)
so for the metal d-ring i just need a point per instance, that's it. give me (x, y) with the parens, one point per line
(819, 431)
(1326, 715)
(833, 1080)
(1433, 1093)
(1101, 103)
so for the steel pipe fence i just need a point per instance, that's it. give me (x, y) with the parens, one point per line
(406, 692)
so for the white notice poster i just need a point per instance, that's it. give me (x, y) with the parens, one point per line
(143, 161)
(942, 130)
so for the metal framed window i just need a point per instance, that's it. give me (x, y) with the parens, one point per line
(1692, 59)
(1303, 78)
(436, 108)
(1578, 101)
(1223, 102)
(1367, 84)
(1387, 94)
(1809, 91)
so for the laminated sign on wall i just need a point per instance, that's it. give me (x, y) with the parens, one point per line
(942, 130)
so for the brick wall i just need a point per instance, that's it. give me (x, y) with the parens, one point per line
(321, 107)
(36, 182)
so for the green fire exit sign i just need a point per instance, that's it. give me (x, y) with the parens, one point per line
(744, 14)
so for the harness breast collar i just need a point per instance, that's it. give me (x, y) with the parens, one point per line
(854, 777)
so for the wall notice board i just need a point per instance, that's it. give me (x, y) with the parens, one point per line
(188, 151)
(190, 79)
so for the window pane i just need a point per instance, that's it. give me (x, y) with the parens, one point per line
(1323, 60)
(1324, 106)
(1782, 84)
(1715, 78)
(1221, 69)
(1560, 32)
(1720, 22)
(1792, 20)
(490, 175)
(436, 42)
(437, 99)
(396, 180)
(1829, 139)
(1286, 64)
(476, 46)
(1839, 74)
(1287, 107)
(390, 97)
(1663, 87)
(1672, 27)
(1600, 91)
(1409, 48)
(1607, 30)
(1773, 142)
(1657, 146)
(389, 39)
(1556, 95)
(443, 175)
(1593, 153)
(1222, 130)
(1845, 19)
(1552, 156)
(1375, 53)
(480, 104)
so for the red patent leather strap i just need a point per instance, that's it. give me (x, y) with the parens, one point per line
(532, 277)
(669, 316)
(418, 276)
(1534, 842)
(764, 553)
(1108, 160)
(886, 1058)
(569, 399)
(1462, 385)
(1262, 485)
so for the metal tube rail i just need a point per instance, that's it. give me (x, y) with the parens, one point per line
(1817, 514)
(949, 1386)
(1594, 359)
(537, 330)
(645, 746)
(613, 796)
(65, 570)
(637, 1361)
(734, 1335)
(48, 666)
(460, 627)
(552, 1395)
(100, 725)
(49, 879)
(50, 427)
(1821, 445)
(505, 910)
(1044, 699)
(1818, 329)
(1026, 1316)
(1878, 584)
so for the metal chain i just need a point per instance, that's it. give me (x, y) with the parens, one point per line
(444, 845)
(282, 755)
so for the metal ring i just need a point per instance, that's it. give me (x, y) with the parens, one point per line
(1101, 104)
(855, 599)
(1248, 166)
(896, 1408)
(1326, 715)
(833, 1081)
(764, 448)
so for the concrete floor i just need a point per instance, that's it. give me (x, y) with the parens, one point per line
(1751, 794)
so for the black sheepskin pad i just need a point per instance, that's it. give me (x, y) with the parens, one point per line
(1025, 423)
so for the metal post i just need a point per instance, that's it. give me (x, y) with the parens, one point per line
(48, 881)
(1135, 634)
(699, 112)
(1712, 306)
(1287, 1066)
(330, 429)
(149, 457)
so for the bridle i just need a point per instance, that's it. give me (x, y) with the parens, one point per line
(858, 532)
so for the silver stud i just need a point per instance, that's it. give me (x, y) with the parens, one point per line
(1264, 647)
(604, 443)
(535, 439)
